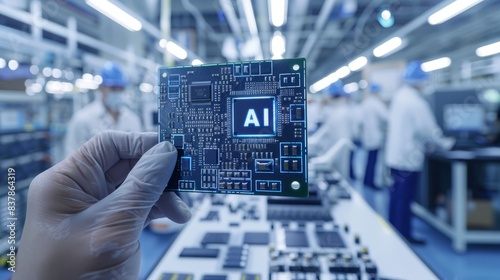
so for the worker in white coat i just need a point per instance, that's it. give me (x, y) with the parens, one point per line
(336, 126)
(107, 112)
(412, 131)
(374, 123)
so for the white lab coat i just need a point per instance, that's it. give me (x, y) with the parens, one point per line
(93, 119)
(338, 125)
(411, 126)
(374, 119)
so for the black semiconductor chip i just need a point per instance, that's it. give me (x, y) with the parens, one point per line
(240, 127)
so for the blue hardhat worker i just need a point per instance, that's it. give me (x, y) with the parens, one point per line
(412, 127)
(113, 76)
(106, 112)
(414, 74)
(336, 89)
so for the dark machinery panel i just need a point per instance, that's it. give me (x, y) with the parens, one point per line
(238, 127)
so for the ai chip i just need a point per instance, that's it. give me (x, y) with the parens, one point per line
(239, 128)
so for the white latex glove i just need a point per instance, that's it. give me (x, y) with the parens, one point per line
(81, 225)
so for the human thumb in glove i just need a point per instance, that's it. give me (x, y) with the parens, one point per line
(85, 214)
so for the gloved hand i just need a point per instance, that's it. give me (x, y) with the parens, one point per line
(81, 225)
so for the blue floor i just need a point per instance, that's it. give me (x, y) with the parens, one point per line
(153, 247)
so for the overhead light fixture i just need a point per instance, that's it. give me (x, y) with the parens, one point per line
(343, 72)
(278, 45)
(196, 62)
(278, 10)
(351, 87)
(47, 71)
(56, 87)
(56, 73)
(385, 17)
(487, 50)
(86, 84)
(146, 87)
(250, 17)
(176, 50)
(358, 63)
(2, 63)
(451, 10)
(323, 83)
(436, 64)
(87, 77)
(387, 47)
(163, 43)
(115, 13)
(13, 64)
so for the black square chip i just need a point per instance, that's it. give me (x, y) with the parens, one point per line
(211, 156)
(200, 92)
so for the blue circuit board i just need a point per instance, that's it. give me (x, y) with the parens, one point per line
(238, 127)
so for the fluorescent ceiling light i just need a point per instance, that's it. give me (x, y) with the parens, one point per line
(146, 87)
(451, 11)
(13, 65)
(278, 44)
(250, 17)
(278, 10)
(196, 62)
(487, 50)
(86, 84)
(87, 76)
(56, 87)
(436, 64)
(176, 50)
(2, 63)
(358, 63)
(115, 13)
(343, 72)
(323, 83)
(387, 47)
(351, 87)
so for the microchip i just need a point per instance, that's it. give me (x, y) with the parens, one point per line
(239, 127)
(211, 156)
(200, 92)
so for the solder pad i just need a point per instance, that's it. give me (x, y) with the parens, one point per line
(238, 127)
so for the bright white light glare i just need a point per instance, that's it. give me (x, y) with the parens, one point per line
(278, 10)
(56, 73)
(98, 79)
(86, 84)
(250, 17)
(145, 87)
(34, 69)
(69, 75)
(386, 14)
(274, 57)
(163, 43)
(363, 84)
(387, 47)
(56, 87)
(487, 50)
(358, 63)
(451, 11)
(116, 14)
(36, 87)
(197, 62)
(323, 83)
(87, 77)
(343, 72)
(2, 63)
(176, 50)
(278, 45)
(351, 87)
(13, 65)
(47, 71)
(436, 64)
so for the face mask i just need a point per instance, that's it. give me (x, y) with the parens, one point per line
(114, 100)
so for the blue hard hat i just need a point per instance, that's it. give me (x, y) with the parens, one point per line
(336, 89)
(112, 75)
(414, 73)
(375, 88)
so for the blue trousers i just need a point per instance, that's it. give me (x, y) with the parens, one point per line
(402, 195)
(370, 169)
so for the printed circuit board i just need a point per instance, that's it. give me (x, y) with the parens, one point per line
(238, 127)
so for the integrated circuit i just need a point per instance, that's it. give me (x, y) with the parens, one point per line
(238, 127)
